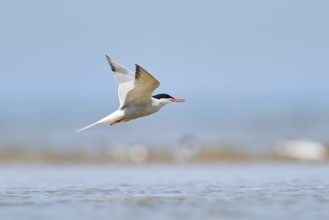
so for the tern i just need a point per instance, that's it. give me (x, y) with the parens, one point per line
(135, 95)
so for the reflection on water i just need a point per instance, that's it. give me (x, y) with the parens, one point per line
(222, 191)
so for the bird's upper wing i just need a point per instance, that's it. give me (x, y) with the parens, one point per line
(144, 85)
(124, 77)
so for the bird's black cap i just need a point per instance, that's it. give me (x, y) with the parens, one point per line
(162, 96)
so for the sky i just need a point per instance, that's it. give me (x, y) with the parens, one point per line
(251, 71)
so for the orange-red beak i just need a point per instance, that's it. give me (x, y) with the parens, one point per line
(177, 100)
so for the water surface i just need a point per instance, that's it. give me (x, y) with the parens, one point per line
(221, 191)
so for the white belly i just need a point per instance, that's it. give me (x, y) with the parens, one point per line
(140, 110)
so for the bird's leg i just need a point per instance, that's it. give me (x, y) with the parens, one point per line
(117, 121)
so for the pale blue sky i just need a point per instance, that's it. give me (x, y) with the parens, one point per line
(237, 63)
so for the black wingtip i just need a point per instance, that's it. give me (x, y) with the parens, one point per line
(109, 60)
(137, 74)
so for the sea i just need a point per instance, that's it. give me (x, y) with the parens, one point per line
(286, 190)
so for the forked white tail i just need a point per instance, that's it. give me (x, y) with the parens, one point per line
(108, 119)
(86, 127)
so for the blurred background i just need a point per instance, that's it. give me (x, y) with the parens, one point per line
(254, 75)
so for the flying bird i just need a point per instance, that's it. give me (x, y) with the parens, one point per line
(135, 95)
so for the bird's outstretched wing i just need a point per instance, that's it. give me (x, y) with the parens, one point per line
(124, 77)
(144, 85)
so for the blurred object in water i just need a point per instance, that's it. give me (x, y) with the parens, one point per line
(118, 152)
(188, 149)
(139, 153)
(302, 150)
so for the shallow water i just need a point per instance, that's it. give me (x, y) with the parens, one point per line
(221, 191)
